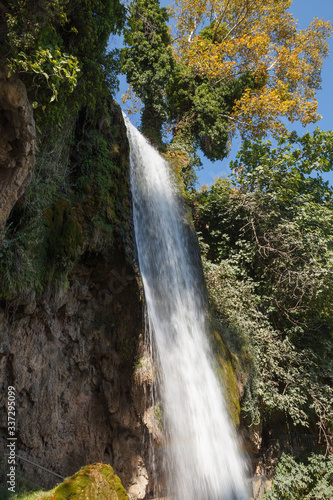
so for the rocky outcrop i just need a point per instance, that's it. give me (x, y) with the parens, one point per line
(73, 360)
(17, 143)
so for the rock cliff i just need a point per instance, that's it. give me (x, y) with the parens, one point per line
(74, 351)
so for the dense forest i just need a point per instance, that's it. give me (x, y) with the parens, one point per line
(227, 68)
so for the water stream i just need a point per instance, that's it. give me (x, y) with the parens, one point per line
(203, 461)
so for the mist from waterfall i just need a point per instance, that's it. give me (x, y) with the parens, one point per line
(203, 461)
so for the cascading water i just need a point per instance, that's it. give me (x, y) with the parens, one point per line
(202, 458)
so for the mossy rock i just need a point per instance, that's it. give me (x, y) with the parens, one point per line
(96, 481)
(227, 375)
(65, 234)
(177, 160)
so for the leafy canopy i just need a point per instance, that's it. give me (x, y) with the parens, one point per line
(59, 49)
(223, 39)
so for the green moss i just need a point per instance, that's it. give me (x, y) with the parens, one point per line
(101, 179)
(227, 375)
(65, 234)
(177, 161)
(97, 481)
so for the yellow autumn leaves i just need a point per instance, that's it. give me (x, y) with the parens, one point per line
(222, 39)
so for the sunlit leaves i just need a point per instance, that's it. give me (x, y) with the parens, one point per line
(52, 66)
(222, 39)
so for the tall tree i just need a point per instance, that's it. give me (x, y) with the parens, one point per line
(148, 61)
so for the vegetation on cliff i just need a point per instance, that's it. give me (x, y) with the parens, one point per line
(78, 197)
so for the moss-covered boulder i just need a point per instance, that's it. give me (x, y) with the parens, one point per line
(96, 481)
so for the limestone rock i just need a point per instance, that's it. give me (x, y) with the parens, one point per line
(17, 143)
(252, 438)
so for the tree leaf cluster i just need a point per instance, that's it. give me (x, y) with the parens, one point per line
(311, 478)
(59, 48)
(148, 60)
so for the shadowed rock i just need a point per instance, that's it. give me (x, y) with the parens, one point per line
(17, 143)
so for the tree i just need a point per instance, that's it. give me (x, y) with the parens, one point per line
(200, 111)
(148, 61)
(224, 39)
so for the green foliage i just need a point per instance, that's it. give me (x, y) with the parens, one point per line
(268, 239)
(310, 479)
(86, 33)
(43, 250)
(276, 375)
(148, 61)
(99, 190)
(49, 64)
(35, 48)
(276, 224)
(59, 49)
(201, 111)
(65, 234)
(23, 260)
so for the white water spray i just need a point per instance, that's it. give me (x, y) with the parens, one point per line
(202, 456)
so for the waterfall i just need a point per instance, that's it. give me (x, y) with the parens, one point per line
(203, 462)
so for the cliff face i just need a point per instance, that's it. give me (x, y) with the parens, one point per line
(70, 357)
(74, 354)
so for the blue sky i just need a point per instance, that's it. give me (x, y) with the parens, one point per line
(304, 11)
